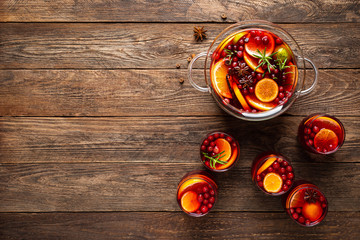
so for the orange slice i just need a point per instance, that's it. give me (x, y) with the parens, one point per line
(297, 199)
(223, 145)
(312, 211)
(272, 182)
(328, 123)
(324, 138)
(218, 79)
(259, 105)
(266, 164)
(187, 184)
(252, 62)
(189, 201)
(235, 37)
(251, 47)
(266, 90)
(240, 97)
(291, 77)
(231, 160)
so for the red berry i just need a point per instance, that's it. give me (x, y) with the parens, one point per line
(298, 210)
(260, 183)
(276, 165)
(205, 201)
(210, 149)
(223, 53)
(257, 40)
(285, 163)
(211, 138)
(285, 188)
(258, 177)
(306, 137)
(216, 135)
(216, 150)
(289, 168)
(281, 88)
(198, 212)
(207, 163)
(203, 148)
(281, 95)
(205, 189)
(290, 175)
(270, 169)
(307, 131)
(204, 209)
(322, 198)
(283, 176)
(265, 40)
(210, 205)
(240, 54)
(212, 192)
(229, 139)
(251, 89)
(230, 47)
(318, 149)
(311, 142)
(235, 59)
(234, 64)
(200, 198)
(292, 210)
(222, 135)
(259, 76)
(288, 182)
(301, 219)
(323, 205)
(206, 195)
(312, 135)
(212, 144)
(262, 175)
(241, 48)
(212, 154)
(295, 215)
(234, 144)
(206, 142)
(241, 42)
(280, 160)
(315, 129)
(282, 170)
(278, 41)
(212, 200)
(307, 222)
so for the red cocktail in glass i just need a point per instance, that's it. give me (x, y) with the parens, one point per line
(197, 193)
(305, 204)
(219, 151)
(321, 133)
(272, 173)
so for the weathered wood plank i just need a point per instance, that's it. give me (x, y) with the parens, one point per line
(103, 46)
(154, 139)
(178, 11)
(155, 225)
(148, 93)
(152, 186)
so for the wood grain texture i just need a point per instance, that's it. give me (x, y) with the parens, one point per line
(152, 186)
(149, 93)
(154, 139)
(178, 11)
(104, 46)
(155, 225)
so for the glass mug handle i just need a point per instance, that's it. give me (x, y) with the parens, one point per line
(308, 90)
(190, 67)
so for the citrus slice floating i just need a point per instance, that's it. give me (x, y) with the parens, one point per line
(189, 201)
(259, 105)
(218, 79)
(291, 77)
(188, 183)
(252, 46)
(252, 62)
(312, 211)
(266, 164)
(266, 90)
(223, 145)
(328, 123)
(273, 182)
(324, 138)
(297, 199)
(240, 97)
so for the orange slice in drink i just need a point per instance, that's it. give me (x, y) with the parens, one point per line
(297, 199)
(223, 145)
(312, 211)
(259, 105)
(273, 182)
(329, 123)
(324, 138)
(189, 201)
(231, 160)
(266, 164)
(187, 184)
(240, 97)
(291, 77)
(252, 46)
(266, 90)
(252, 62)
(218, 79)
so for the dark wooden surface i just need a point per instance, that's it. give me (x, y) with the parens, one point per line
(96, 130)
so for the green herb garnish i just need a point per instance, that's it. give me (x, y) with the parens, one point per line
(215, 159)
(264, 60)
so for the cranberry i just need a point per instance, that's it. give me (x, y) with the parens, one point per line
(312, 135)
(203, 148)
(290, 175)
(311, 142)
(198, 212)
(322, 198)
(285, 163)
(276, 71)
(288, 182)
(206, 142)
(251, 89)
(307, 222)
(240, 54)
(281, 95)
(200, 198)
(264, 67)
(204, 209)
(223, 54)
(323, 205)
(260, 183)
(211, 138)
(259, 76)
(330, 147)
(216, 135)
(207, 163)
(209, 205)
(212, 144)
(233, 144)
(257, 40)
(212, 200)
(270, 169)
(216, 150)
(318, 149)
(263, 175)
(229, 139)
(265, 40)
(285, 188)
(315, 129)
(230, 47)
(307, 131)
(252, 33)
(278, 41)
(212, 192)
(212, 154)
(295, 215)
(210, 149)
(282, 170)
(260, 33)
(301, 219)
(206, 195)
(276, 165)
(222, 135)
(241, 48)
(298, 210)
(306, 137)
(205, 189)
(283, 176)
(292, 210)
(235, 59)
(289, 168)
(283, 77)
(241, 42)
(234, 64)
(235, 47)
(246, 40)
(258, 177)
(280, 160)
(245, 92)
(273, 76)
(277, 100)
(205, 201)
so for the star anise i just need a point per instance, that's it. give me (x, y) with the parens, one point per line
(311, 196)
(242, 70)
(199, 33)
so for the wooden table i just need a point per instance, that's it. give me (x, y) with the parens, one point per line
(96, 130)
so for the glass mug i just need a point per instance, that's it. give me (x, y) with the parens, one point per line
(244, 103)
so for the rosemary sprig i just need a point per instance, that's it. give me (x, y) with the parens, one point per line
(281, 64)
(215, 159)
(230, 56)
(264, 60)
